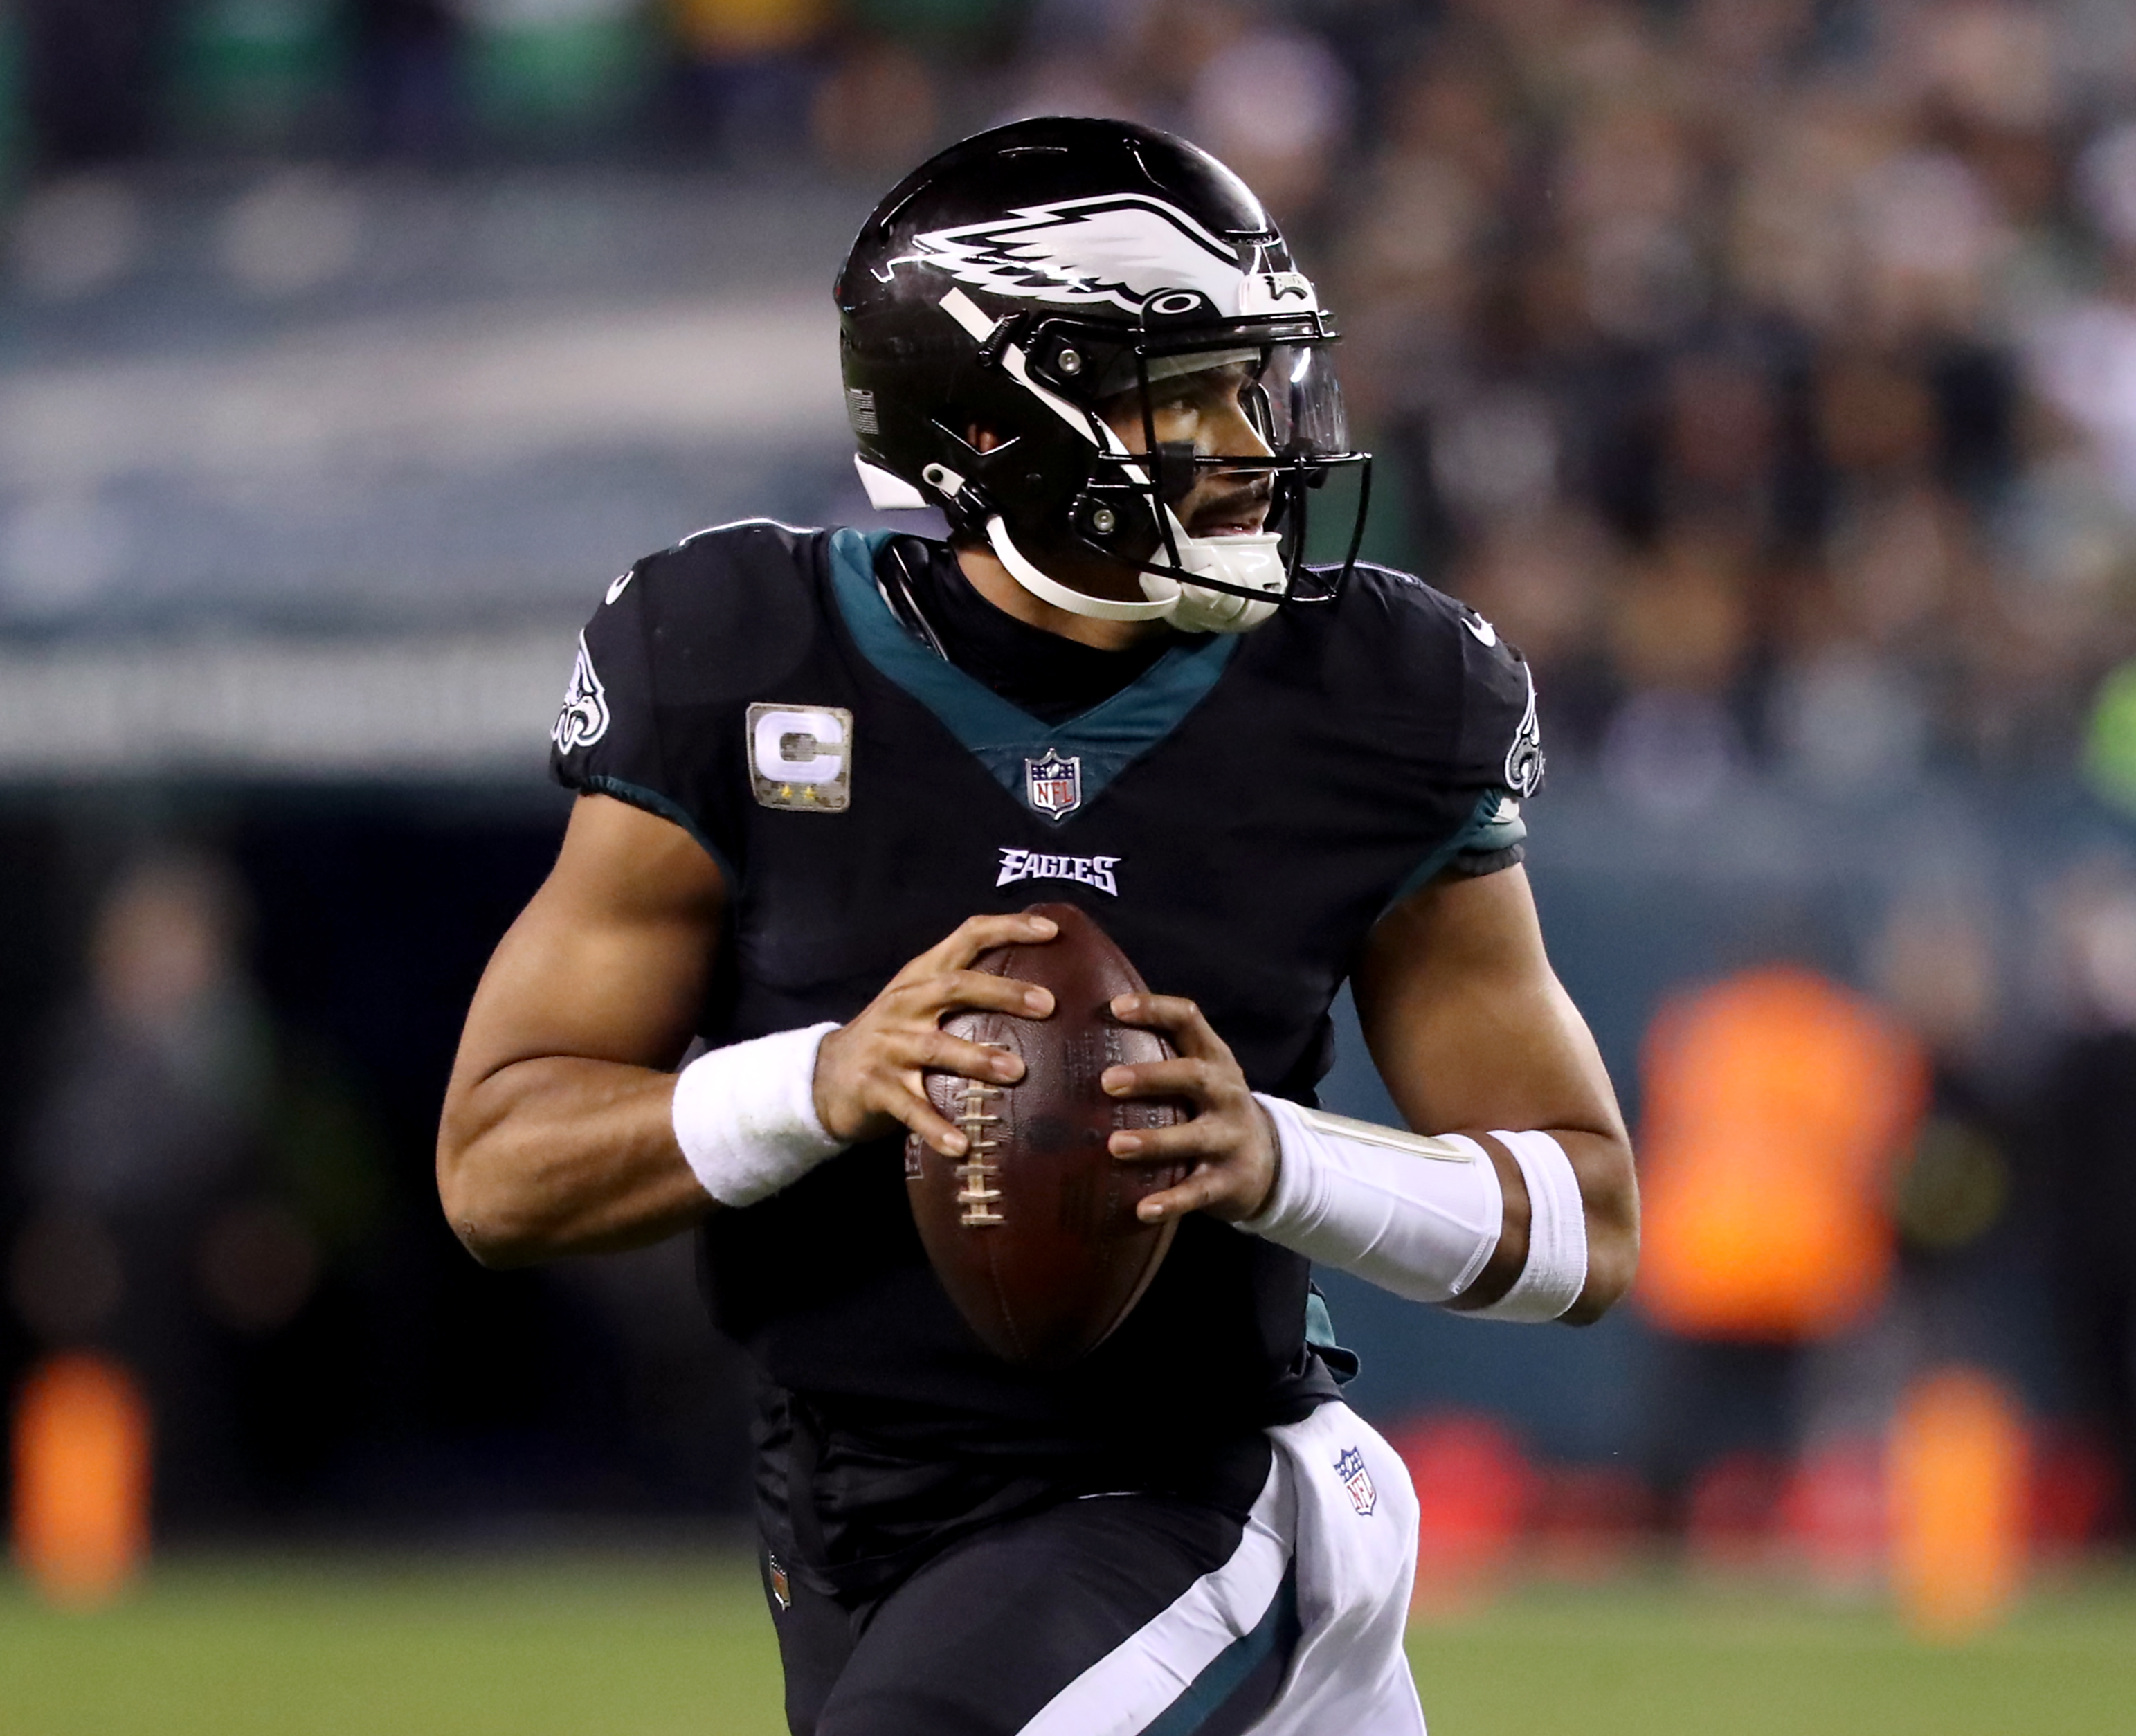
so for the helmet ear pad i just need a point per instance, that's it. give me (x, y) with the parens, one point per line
(1070, 507)
(1067, 503)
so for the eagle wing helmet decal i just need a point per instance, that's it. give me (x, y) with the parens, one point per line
(1115, 248)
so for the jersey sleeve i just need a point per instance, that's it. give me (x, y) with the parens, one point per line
(1500, 742)
(606, 738)
(609, 739)
(652, 713)
(1452, 710)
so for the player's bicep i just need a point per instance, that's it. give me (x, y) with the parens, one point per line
(1466, 1020)
(610, 958)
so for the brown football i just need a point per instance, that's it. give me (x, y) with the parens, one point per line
(1034, 1233)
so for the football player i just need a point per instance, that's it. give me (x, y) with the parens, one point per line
(821, 771)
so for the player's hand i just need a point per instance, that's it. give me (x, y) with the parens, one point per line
(1231, 1141)
(868, 1073)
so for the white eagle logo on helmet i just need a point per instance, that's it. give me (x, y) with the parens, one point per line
(1121, 248)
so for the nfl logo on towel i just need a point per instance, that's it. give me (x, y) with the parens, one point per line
(1052, 785)
(1358, 1480)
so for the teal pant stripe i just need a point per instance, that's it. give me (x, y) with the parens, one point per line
(1276, 1631)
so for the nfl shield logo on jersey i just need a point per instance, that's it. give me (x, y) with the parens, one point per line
(1054, 785)
(1358, 1480)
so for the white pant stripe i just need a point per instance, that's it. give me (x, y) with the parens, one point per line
(1337, 1507)
(1129, 1689)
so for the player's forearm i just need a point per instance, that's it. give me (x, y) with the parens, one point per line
(557, 1155)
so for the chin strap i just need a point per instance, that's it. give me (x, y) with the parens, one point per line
(1158, 608)
(1252, 561)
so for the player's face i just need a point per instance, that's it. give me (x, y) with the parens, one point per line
(1206, 408)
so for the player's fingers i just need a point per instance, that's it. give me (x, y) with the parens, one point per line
(961, 991)
(919, 1116)
(1184, 1076)
(939, 1052)
(1178, 1017)
(1206, 1136)
(926, 1000)
(1206, 1187)
(978, 935)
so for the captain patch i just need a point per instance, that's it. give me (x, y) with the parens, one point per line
(801, 757)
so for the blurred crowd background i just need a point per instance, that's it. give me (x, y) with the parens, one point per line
(1765, 369)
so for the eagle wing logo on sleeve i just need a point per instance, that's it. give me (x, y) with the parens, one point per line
(1524, 758)
(1126, 250)
(583, 719)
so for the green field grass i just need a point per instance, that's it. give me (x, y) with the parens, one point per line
(589, 1645)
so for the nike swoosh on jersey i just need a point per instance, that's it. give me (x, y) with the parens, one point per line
(616, 587)
(1486, 634)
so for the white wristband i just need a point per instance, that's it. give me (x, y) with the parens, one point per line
(1557, 1269)
(1416, 1215)
(745, 1115)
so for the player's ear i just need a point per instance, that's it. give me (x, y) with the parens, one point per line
(981, 439)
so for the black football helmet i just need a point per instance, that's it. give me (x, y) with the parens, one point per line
(1039, 282)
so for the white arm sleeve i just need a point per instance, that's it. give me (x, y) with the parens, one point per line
(1416, 1215)
(745, 1115)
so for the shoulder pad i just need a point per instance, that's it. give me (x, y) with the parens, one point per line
(1453, 662)
(723, 609)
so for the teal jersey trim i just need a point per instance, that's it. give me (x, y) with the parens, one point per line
(1493, 823)
(1343, 1362)
(1107, 739)
(1226, 1673)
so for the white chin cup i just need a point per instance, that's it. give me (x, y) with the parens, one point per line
(1253, 561)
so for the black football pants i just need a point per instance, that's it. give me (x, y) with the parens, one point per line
(980, 1639)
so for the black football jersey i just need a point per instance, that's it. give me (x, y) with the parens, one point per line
(1236, 817)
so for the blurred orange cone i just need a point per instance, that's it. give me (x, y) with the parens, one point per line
(1958, 1489)
(81, 1478)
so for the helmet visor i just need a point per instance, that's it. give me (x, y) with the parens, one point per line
(1240, 433)
(1279, 401)
(1297, 402)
